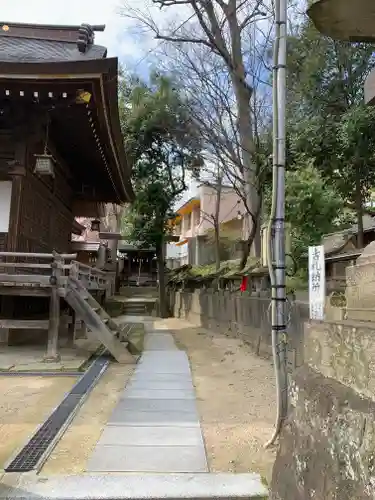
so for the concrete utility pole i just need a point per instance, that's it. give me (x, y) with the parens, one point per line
(276, 228)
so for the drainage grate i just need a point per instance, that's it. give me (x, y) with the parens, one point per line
(30, 456)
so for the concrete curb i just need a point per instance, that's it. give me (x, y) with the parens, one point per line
(204, 486)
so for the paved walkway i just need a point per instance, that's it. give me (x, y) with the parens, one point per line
(155, 426)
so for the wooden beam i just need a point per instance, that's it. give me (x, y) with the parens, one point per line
(30, 265)
(35, 324)
(24, 265)
(19, 291)
(65, 256)
(24, 279)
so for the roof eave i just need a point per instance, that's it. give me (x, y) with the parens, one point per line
(105, 70)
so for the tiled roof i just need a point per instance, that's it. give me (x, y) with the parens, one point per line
(335, 241)
(14, 49)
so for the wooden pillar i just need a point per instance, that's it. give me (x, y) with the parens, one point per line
(17, 173)
(77, 325)
(80, 330)
(52, 355)
(72, 327)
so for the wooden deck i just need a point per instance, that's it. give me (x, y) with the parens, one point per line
(38, 273)
(47, 275)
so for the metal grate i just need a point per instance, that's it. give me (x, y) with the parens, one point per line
(29, 457)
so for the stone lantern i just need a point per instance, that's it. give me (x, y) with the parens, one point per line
(351, 20)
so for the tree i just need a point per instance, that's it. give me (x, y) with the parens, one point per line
(162, 145)
(215, 54)
(326, 115)
(312, 207)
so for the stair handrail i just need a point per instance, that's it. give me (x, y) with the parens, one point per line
(84, 272)
(65, 256)
(34, 268)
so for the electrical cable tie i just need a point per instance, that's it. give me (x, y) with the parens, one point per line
(279, 328)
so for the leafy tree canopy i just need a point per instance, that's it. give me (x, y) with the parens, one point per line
(161, 143)
(327, 120)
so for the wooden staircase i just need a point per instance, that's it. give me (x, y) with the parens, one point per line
(97, 320)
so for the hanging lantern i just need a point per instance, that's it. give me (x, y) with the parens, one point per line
(44, 165)
(95, 225)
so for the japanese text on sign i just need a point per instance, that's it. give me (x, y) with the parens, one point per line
(317, 290)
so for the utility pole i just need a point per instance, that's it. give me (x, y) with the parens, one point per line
(276, 228)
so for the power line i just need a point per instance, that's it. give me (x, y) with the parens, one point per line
(150, 51)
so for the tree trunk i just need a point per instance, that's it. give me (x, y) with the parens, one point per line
(247, 246)
(249, 168)
(359, 210)
(163, 305)
(217, 225)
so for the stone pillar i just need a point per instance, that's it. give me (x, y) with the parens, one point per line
(101, 260)
(112, 246)
(360, 286)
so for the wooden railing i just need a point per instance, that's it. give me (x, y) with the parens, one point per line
(50, 269)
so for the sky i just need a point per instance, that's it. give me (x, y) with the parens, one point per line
(119, 36)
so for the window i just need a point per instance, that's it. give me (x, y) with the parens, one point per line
(188, 221)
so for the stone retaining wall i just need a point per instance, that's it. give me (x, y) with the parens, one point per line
(327, 446)
(241, 316)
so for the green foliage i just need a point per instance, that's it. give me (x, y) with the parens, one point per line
(356, 152)
(329, 127)
(325, 76)
(312, 207)
(160, 141)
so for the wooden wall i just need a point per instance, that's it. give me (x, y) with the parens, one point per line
(46, 216)
(3, 240)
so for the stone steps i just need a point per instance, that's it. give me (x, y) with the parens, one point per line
(202, 486)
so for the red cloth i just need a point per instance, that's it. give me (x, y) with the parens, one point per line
(243, 286)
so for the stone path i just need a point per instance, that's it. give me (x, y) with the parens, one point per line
(155, 426)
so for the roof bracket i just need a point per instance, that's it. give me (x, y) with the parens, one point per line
(85, 37)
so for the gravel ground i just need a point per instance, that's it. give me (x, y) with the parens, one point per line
(236, 399)
(76, 446)
(25, 403)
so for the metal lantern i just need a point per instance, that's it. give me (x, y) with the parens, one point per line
(351, 20)
(95, 225)
(44, 165)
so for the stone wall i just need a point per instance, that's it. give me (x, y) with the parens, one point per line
(327, 446)
(241, 316)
